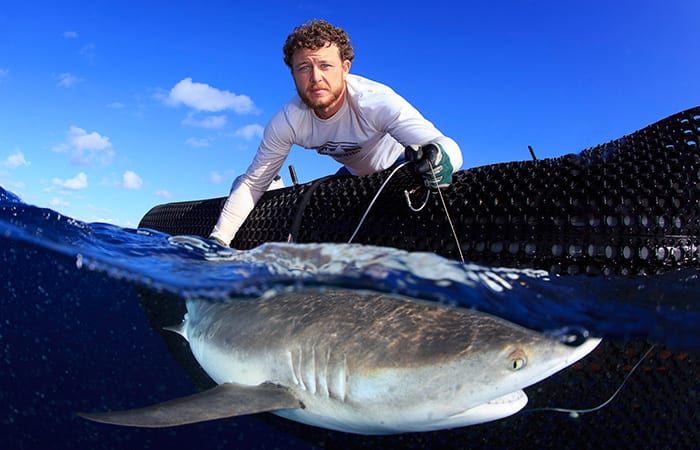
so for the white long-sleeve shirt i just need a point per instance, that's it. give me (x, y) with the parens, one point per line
(367, 135)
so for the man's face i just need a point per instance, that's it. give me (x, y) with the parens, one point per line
(319, 76)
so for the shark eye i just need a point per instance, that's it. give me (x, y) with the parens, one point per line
(517, 360)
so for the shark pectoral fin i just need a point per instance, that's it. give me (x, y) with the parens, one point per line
(225, 400)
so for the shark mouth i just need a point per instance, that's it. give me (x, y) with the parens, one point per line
(498, 408)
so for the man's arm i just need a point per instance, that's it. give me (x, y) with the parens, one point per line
(435, 156)
(409, 127)
(273, 150)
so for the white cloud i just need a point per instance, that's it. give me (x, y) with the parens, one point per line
(98, 209)
(70, 34)
(86, 148)
(100, 214)
(57, 202)
(215, 177)
(67, 80)
(249, 132)
(197, 142)
(116, 105)
(88, 52)
(14, 161)
(12, 185)
(75, 184)
(163, 193)
(130, 180)
(82, 140)
(202, 97)
(210, 122)
(4, 72)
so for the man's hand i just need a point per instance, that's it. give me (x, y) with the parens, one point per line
(218, 241)
(431, 163)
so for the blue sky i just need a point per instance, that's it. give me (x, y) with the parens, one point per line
(109, 108)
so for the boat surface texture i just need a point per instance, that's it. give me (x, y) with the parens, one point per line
(626, 207)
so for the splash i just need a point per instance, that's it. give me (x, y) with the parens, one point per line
(663, 307)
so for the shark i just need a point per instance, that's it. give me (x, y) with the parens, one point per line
(357, 362)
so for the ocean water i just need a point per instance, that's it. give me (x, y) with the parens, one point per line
(74, 337)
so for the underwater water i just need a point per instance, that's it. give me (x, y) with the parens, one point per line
(74, 337)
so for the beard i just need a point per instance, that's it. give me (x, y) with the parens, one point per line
(324, 103)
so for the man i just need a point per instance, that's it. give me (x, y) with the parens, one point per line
(362, 124)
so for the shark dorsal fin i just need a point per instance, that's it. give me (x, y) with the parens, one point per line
(225, 400)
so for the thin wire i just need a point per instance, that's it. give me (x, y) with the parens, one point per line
(381, 188)
(605, 403)
(447, 214)
(408, 200)
(410, 203)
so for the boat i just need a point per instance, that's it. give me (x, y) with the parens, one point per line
(626, 207)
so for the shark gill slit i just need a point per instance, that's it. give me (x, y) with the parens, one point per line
(337, 377)
(311, 371)
(300, 369)
(290, 360)
(322, 374)
(345, 377)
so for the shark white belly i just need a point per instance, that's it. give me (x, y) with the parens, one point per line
(358, 362)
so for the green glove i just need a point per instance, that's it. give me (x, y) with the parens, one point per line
(431, 163)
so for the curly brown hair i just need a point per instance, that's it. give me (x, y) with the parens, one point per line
(314, 35)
